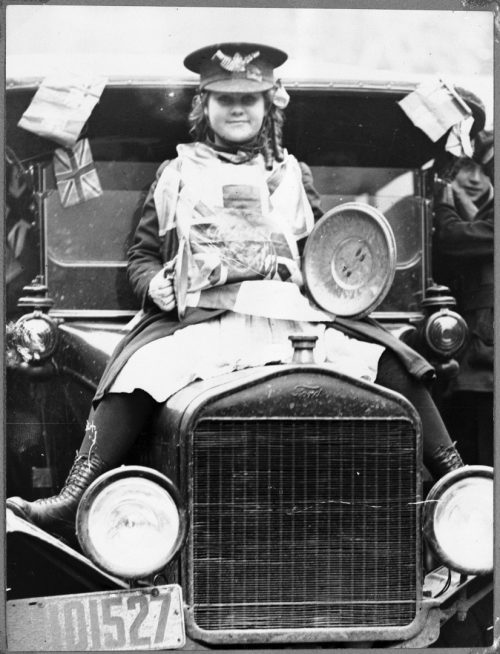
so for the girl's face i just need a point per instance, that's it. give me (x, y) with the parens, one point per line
(472, 179)
(235, 117)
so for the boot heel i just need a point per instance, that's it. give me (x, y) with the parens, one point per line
(57, 514)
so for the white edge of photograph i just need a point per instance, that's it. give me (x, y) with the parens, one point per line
(249, 326)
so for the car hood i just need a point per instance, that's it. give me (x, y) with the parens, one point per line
(86, 347)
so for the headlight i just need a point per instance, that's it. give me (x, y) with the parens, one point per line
(445, 332)
(36, 337)
(131, 522)
(458, 519)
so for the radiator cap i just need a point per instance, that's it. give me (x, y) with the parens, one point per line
(303, 347)
(350, 260)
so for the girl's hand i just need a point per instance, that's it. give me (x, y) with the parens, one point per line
(161, 289)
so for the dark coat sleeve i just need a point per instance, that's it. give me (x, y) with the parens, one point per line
(312, 194)
(145, 257)
(464, 238)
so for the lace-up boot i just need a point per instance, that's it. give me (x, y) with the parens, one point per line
(57, 514)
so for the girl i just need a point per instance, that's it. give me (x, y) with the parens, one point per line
(216, 264)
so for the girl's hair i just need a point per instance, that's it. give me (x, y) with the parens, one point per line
(269, 138)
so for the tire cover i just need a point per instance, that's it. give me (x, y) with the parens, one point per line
(349, 260)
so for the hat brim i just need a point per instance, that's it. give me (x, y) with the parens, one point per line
(274, 56)
(237, 86)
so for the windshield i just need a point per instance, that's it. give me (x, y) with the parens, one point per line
(394, 192)
(89, 241)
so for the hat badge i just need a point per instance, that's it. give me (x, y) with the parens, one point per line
(236, 63)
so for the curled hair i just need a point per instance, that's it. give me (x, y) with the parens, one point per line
(198, 122)
(268, 141)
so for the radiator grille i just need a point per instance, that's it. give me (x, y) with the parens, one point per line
(303, 523)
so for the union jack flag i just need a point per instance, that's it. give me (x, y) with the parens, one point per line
(76, 176)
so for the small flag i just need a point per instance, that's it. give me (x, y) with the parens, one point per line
(434, 107)
(76, 176)
(61, 106)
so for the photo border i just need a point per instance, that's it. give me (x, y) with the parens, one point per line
(493, 6)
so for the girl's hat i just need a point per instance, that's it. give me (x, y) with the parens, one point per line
(236, 67)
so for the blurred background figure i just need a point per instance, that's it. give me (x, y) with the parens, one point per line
(464, 241)
(21, 246)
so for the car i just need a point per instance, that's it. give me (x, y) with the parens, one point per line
(284, 505)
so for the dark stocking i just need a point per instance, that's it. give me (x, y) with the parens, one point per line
(115, 424)
(393, 375)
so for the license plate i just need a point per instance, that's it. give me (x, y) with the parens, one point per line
(145, 618)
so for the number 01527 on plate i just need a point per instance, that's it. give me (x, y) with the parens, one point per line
(145, 618)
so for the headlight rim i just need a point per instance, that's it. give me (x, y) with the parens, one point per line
(450, 352)
(430, 506)
(114, 475)
(24, 350)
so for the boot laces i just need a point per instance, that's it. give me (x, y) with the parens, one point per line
(77, 480)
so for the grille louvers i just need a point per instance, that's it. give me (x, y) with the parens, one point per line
(303, 523)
